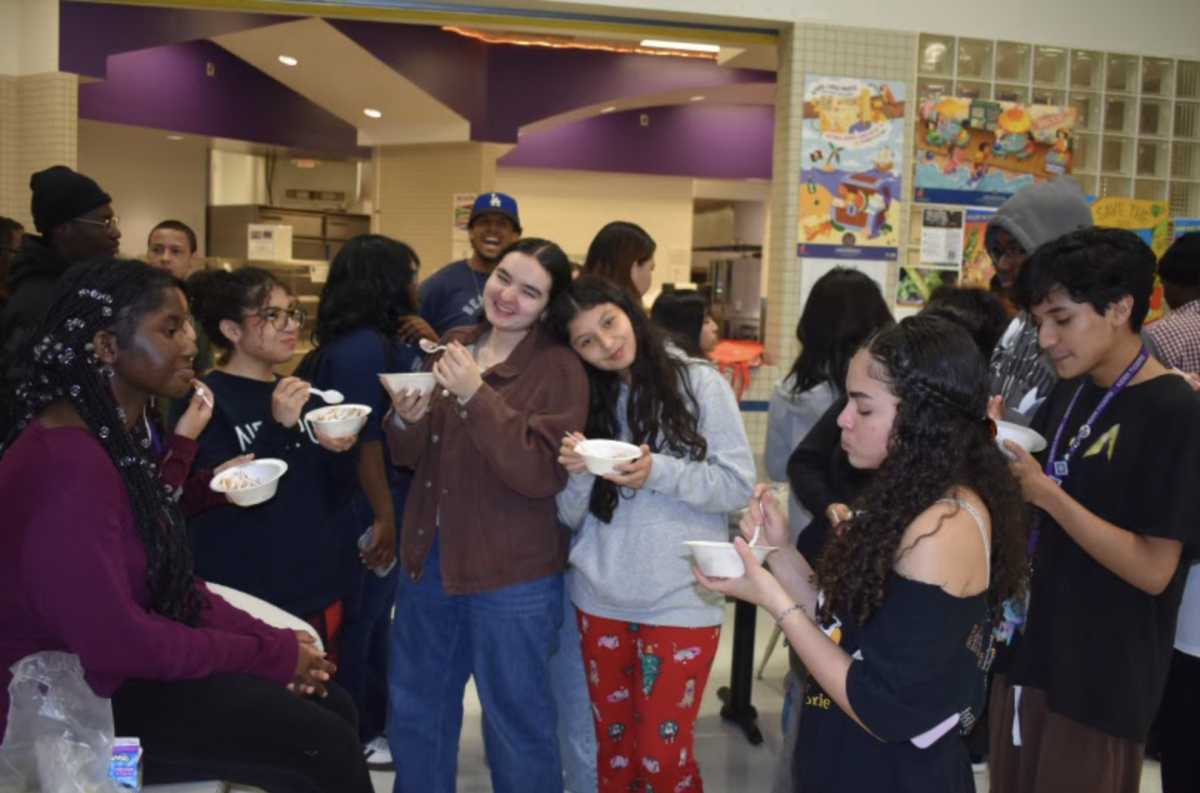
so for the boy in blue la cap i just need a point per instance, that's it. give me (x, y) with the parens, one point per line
(453, 296)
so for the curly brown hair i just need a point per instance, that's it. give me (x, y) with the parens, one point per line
(940, 442)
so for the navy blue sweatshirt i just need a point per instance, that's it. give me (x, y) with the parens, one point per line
(284, 551)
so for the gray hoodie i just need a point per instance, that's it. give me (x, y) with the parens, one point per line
(637, 568)
(1040, 213)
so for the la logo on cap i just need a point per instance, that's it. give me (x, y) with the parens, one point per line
(495, 200)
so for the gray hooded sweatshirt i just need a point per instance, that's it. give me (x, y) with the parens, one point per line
(1040, 213)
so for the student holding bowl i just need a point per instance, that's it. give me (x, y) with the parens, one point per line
(649, 633)
(482, 551)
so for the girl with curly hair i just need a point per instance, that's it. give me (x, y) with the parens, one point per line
(895, 626)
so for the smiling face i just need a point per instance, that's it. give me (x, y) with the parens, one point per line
(1076, 337)
(257, 335)
(516, 293)
(491, 233)
(157, 358)
(170, 250)
(868, 417)
(603, 337)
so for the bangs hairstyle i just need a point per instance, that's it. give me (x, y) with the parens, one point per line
(369, 286)
(113, 295)
(615, 250)
(939, 441)
(843, 310)
(217, 295)
(1097, 266)
(661, 412)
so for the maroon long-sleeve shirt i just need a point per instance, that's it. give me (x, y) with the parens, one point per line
(72, 578)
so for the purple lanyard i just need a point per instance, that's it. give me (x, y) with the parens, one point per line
(1058, 469)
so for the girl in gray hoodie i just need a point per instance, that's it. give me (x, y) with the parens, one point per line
(649, 632)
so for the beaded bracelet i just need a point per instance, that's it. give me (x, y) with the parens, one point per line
(783, 614)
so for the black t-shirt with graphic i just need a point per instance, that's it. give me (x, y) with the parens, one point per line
(1096, 645)
(919, 670)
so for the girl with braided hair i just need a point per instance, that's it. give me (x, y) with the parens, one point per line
(895, 627)
(97, 561)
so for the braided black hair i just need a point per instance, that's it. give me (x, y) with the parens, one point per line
(113, 295)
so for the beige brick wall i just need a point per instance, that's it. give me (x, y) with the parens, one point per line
(10, 193)
(415, 187)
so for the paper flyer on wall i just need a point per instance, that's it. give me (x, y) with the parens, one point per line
(914, 285)
(978, 152)
(1149, 220)
(941, 236)
(852, 153)
(813, 269)
(977, 269)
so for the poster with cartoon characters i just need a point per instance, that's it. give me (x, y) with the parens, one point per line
(852, 147)
(978, 152)
(977, 269)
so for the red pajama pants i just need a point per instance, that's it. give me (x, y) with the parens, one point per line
(646, 683)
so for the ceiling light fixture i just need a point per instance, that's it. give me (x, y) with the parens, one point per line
(288, 60)
(609, 109)
(372, 113)
(174, 137)
(685, 46)
(697, 99)
(561, 44)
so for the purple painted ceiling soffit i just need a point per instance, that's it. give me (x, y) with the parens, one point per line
(170, 88)
(714, 142)
(501, 88)
(91, 32)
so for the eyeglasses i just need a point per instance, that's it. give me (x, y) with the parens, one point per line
(278, 317)
(1012, 250)
(109, 224)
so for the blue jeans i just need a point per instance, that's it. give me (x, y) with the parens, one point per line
(505, 638)
(366, 628)
(576, 725)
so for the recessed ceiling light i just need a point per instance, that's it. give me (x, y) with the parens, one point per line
(288, 60)
(372, 113)
(680, 45)
(609, 109)
(174, 137)
(697, 99)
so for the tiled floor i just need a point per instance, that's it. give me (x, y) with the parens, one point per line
(729, 763)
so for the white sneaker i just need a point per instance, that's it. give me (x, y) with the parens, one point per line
(379, 755)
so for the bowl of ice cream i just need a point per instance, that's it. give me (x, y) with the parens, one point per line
(250, 483)
(721, 560)
(412, 382)
(1024, 437)
(602, 456)
(339, 421)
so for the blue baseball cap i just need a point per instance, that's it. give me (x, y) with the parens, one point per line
(499, 203)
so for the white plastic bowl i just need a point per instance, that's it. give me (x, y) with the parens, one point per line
(418, 382)
(322, 418)
(602, 456)
(267, 472)
(721, 560)
(1024, 437)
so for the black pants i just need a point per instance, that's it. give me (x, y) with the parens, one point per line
(1179, 726)
(244, 730)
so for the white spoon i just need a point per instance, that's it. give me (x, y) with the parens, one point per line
(330, 396)
(580, 446)
(430, 347)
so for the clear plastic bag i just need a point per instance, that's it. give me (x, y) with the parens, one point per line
(60, 734)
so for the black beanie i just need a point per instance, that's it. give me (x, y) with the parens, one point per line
(60, 194)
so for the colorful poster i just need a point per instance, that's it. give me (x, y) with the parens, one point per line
(978, 152)
(915, 284)
(1186, 226)
(977, 269)
(941, 236)
(1148, 219)
(852, 149)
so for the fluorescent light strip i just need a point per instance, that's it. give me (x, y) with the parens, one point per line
(288, 60)
(680, 45)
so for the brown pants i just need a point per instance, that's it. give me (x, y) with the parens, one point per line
(1057, 755)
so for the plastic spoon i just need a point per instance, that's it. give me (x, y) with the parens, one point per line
(580, 446)
(204, 397)
(330, 396)
(429, 347)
